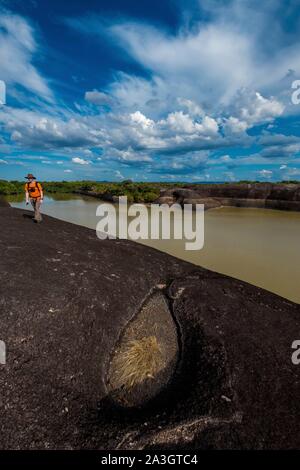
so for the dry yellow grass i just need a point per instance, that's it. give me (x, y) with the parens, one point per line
(140, 359)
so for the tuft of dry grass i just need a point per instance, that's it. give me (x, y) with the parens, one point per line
(140, 359)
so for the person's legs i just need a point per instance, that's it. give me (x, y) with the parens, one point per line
(36, 204)
(38, 215)
(33, 201)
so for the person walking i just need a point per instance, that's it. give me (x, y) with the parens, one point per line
(34, 193)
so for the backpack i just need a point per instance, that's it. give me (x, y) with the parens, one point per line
(33, 189)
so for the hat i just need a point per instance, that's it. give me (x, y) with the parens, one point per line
(30, 176)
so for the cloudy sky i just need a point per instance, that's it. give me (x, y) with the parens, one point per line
(173, 90)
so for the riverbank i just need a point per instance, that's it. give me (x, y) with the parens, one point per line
(282, 196)
(279, 196)
(64, 319)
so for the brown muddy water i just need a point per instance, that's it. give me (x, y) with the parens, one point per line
(255, 245)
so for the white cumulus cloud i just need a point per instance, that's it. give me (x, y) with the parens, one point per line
(17, 50)
(80, 161)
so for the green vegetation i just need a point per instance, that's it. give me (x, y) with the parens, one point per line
(290, 182)
(11, 187)
(135, 192)
(272, 182)
(248, 182)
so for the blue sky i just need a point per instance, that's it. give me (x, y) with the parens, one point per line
(179, 90)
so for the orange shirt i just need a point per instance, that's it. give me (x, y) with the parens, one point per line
(34, 189)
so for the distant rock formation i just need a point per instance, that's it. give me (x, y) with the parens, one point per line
(262, 195)
(111, 344)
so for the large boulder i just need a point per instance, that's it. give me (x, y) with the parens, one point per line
(111, 344)
(282, 196)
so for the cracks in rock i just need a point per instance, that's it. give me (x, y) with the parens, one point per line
(183, 433)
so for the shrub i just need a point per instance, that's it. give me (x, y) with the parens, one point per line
(6, 187)
(150, 196)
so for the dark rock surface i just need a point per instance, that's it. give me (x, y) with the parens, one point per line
(65, 298)
(263, 195)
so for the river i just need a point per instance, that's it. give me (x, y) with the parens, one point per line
(255, 245)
